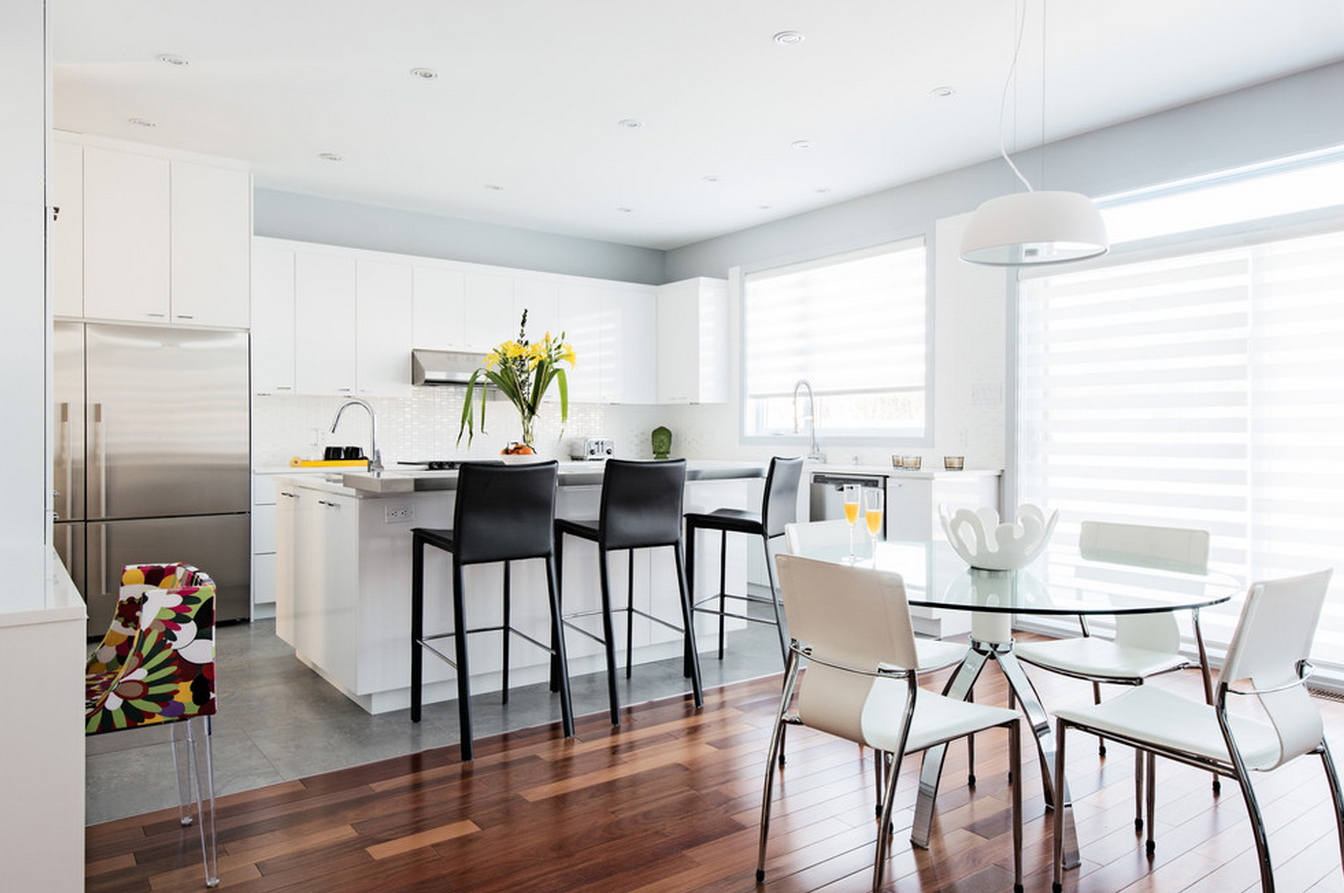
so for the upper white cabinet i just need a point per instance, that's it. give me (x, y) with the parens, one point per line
(211, 242)
(66, 229)
(144, 236)
(324, 323)
(272, 319)
(489, 311)
(437, 297)
(383, 328)
(693, 341)
(330, 320)
(126, 235)
(580, 308)
(629, 345)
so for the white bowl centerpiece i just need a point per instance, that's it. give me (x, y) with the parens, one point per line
(979, 538)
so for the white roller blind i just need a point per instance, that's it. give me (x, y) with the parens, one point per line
(1205, 390)
(853, 326)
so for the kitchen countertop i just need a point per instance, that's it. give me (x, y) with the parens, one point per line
(572, 474)
(927, 473)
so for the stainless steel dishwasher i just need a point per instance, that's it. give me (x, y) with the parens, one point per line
(827, 501)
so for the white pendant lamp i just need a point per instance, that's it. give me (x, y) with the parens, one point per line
(1031, 227)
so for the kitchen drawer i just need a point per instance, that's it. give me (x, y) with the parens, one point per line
(263, 529)
(263, 489)
(263, 579)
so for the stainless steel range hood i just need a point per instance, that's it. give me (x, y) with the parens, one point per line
(443, 367)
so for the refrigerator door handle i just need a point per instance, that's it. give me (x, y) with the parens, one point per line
(102, 558)
(100, 459)
(67, 472)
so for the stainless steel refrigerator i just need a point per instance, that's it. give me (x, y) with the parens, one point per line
(151, 457)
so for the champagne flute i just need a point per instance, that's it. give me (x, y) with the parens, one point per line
(872, 514)
(853, 499)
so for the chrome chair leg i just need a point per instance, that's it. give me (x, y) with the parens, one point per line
(1058, 883)
(776, 745)
(1015, 766)
(1152, 800)
(1333, 779)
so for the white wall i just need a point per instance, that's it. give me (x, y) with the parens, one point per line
(41, 627)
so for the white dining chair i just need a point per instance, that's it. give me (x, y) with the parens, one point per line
(1270, 648)
(851, 625)
(804, 538)
(1145, 645)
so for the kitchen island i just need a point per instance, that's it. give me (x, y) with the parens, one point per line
(343, 578)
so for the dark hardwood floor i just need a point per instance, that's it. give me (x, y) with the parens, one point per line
(670, 802)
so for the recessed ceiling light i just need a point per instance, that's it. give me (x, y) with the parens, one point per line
(712, 178)
(789, 38)
(494, 187)
(823, 189)
(630, 123)
(942, 92)
(625, 210)
(765, 207)
(141, 122)
(424, 74)
(802, 144)
(330, 156)
(170, 59)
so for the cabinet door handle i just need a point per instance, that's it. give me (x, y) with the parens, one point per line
(290, 495)
(186, 316)
(156, 315)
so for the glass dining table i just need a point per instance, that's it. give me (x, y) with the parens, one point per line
(1058, 582)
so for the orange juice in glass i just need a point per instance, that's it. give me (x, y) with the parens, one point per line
(853, 501)
(872, 514)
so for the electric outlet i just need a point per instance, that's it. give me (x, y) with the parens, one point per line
(395, 514)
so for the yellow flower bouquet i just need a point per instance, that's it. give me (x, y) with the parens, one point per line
(522, 372)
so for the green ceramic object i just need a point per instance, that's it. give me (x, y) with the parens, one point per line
(662, 442)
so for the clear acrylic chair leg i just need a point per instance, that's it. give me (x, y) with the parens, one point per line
(196, 784)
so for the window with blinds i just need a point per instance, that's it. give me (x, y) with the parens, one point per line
(1202, 390)
(853, 326)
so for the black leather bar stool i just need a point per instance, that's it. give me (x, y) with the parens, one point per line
(503, 513)
(779, 506)
(641, 509)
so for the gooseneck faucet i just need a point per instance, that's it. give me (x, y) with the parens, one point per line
(375, 457)
(814, 452)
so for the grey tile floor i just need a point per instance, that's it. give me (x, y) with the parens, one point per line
(278, 721)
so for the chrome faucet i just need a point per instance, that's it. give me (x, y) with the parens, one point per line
(814, 452)
(375, 457)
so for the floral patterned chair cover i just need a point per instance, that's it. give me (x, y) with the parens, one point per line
(156, 664)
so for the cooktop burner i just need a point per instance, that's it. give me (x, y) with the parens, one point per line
(451, 464)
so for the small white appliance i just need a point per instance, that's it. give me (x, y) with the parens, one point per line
(593, 448)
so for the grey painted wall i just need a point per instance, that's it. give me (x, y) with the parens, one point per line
(1295, 114)
(311, 218)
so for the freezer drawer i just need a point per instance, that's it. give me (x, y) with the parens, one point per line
(220, 545)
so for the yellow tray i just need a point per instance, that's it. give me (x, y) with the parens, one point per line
(296, 462)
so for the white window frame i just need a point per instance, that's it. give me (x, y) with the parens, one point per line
(921, 240)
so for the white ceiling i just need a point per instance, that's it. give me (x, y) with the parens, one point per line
(529, 94)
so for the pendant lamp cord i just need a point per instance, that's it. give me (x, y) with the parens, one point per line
(1003, 100)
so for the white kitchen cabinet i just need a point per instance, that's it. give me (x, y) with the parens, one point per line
(143, 236)
(540, 297)
(324, 323)
(437, 308)
(383, 317)
(126, 236)
(265, 523)
(580, 310)
(65, 231)
(326, 601)
(629, 345)
(289, 505)
(211, 236)
(693, 350)
(489, 316)
(272, 319)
